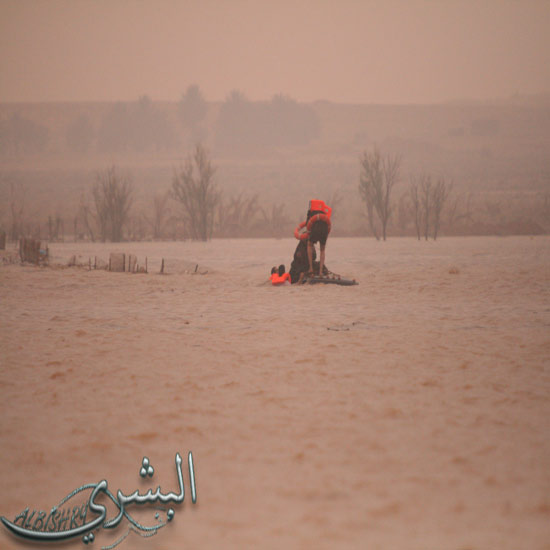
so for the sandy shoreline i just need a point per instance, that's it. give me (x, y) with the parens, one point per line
(411, 411)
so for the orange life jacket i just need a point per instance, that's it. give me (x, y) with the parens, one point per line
(277, 279)
(320, 206)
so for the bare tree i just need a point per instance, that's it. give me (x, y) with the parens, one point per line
(379, 174)
(441, 192)
(160, 213)
(137, 227)
(85, 213)
(275, 221)
(426, 202)
(403, 214)
(197, 194)
(237, 216)
(17, 208)
(454, 213)
(370, 215)
(113, 198)
(415, 204)
(55, 228)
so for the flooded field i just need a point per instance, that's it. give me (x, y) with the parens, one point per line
(411, 411)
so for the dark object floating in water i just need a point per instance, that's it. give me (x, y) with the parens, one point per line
(334, 280)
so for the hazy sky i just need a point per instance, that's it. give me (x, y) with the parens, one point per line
(360, 51)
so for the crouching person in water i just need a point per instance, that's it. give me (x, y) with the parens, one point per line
(315, 229)
(299, 266)
(300, 263)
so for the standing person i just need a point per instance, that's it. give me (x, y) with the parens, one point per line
(318, 225)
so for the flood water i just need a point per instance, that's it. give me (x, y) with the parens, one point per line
(410, 411)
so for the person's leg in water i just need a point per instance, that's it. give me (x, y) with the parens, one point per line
(322, 260)
(319, 233)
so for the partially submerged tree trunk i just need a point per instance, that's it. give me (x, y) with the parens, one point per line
(416, 208)
(378, 177)
(197, 194)
(426, 201)
(440, 194)
(113, 199)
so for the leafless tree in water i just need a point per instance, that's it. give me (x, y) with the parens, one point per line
(137, 227)
(275, 221)
(416, 207)
(56, 228)
(17, 209)
(440, 193)
(426, 202)
(197, 193)
(85, 215)
(112, 195)
(456, 214)
(237, 215)
(161, 212)
(379, 175)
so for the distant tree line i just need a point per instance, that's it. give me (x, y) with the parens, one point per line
(145, 126)
(243, 124)
(138, 127)
(21, 136)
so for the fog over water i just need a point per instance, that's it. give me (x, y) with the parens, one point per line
(407, 412)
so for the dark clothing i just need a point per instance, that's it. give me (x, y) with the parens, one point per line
(319, 233)
(311, 213)
(300, 263)
(319, 230)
